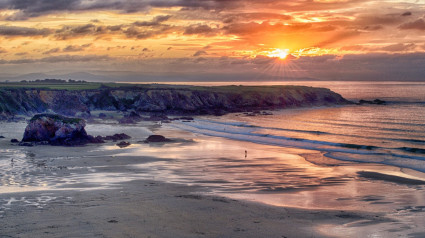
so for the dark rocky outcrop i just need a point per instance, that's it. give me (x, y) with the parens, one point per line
(376, 102)
(116, 137)
(156, 139)
(186, 118)
(56, 129)
(163, 100)
(14, 141)
(123, 144)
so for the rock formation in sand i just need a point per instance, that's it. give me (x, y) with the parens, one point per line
(55, 129)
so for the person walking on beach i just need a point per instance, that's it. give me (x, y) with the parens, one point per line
(246, 154)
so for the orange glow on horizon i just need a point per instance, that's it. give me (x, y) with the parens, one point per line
(279, 53)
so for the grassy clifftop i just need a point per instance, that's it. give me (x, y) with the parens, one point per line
(70, 99)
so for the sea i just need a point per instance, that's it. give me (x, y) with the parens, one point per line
(390, 134)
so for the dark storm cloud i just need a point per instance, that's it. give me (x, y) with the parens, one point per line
(23, 31)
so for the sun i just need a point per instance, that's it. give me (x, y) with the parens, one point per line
(279, 53)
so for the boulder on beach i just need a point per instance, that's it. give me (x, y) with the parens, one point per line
(115, 137)
(123, 144)
(156, 138)
(56, 129)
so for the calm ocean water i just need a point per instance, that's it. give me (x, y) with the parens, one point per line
(392, 134)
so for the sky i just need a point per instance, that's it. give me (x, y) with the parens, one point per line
(214, 40)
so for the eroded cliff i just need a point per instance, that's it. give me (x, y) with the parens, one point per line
(165, 99)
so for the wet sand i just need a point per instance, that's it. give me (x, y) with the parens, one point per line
(152, 209)
(199, 187)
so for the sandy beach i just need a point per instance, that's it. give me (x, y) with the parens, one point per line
(199, 186)
(212, 118)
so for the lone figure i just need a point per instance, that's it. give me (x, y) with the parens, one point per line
(246, 154)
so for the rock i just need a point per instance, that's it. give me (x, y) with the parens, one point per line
(96, 140)
(26, 144)
(266, 113)
(121, 136)
(2, 137)
(131, 118)
(57, 130)
(134, 114)
(14, 141)
(187, 118)
(123, 144)
(376, 102)
(156, 138)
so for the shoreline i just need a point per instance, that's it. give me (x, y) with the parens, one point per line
(124, 191)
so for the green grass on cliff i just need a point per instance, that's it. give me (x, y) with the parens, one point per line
(124, 86)
(55, 86)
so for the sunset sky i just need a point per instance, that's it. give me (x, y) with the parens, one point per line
(215, 39)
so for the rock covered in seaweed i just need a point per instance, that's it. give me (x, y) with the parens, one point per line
(57, 130)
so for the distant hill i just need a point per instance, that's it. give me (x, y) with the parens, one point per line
(74, 76)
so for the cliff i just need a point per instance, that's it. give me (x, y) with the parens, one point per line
(166, 99)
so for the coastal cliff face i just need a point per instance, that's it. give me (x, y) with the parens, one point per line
(165, 99)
